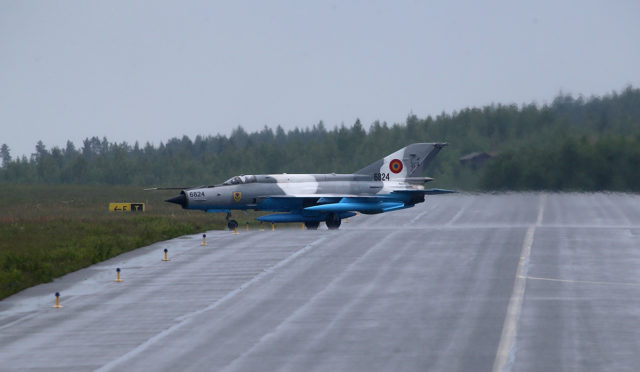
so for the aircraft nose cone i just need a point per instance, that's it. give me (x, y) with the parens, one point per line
(180, 199)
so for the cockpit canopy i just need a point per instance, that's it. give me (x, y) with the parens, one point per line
(237, 180)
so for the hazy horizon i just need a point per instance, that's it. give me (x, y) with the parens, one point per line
(130, 71)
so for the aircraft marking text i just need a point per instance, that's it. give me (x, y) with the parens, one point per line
(381, 176)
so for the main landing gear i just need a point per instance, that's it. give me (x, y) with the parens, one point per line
(333, 221)
(312, 225)
(231, 224)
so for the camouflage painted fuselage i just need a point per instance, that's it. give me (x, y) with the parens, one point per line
(385, 185)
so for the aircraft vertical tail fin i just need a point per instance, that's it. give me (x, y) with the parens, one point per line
(409, 161)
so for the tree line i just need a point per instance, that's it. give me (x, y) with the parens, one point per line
(574, 164)
(574, 143)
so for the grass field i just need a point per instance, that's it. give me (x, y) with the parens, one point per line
(48, 231)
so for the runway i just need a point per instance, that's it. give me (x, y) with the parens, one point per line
(504, 282)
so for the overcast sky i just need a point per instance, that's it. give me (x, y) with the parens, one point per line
(153, 70)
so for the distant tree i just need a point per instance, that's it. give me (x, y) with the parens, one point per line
(41, 151)
(281, 137)
(5, 155)
(320, 128)
(70, 149)
(357, 128)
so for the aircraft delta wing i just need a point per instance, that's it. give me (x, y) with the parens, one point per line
(389, 184)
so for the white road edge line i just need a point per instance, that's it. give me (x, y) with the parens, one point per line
(184, 319)
(581, 281)
(414, 219)
(505, 354)
(457, 216)
(300, 309)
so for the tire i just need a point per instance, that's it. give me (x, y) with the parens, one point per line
(232, 224)
(333, 221)
(312, 225)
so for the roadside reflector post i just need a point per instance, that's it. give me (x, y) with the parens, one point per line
(165, 255)
(273, 226)
(247, 225)
(235, 230)
(303, 226)
(204, 239)
(57, 305)
(118, 275)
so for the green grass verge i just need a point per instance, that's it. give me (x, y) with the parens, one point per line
(48, 231)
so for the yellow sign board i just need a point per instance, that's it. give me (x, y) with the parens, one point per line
(126, 207)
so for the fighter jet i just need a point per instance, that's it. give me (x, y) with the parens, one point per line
(389, 184)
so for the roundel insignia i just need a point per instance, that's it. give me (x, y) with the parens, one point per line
(395, 166)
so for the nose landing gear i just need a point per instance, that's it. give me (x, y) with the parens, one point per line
(231, 224)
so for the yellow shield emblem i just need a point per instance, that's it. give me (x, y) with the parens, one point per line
(237, 195)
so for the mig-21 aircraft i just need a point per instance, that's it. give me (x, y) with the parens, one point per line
(389, 184)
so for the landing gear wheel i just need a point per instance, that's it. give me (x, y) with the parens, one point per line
(312, 225)
(232, 224)
(333, 221)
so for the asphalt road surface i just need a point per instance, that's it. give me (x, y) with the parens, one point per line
(508, 282)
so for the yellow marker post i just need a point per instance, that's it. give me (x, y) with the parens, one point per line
(273, 226)
(165, 255)
(303, 226)
(261, 226)
(118, 275)
(57, 305)
(235, 230)
(247, 226)
(204, 239)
